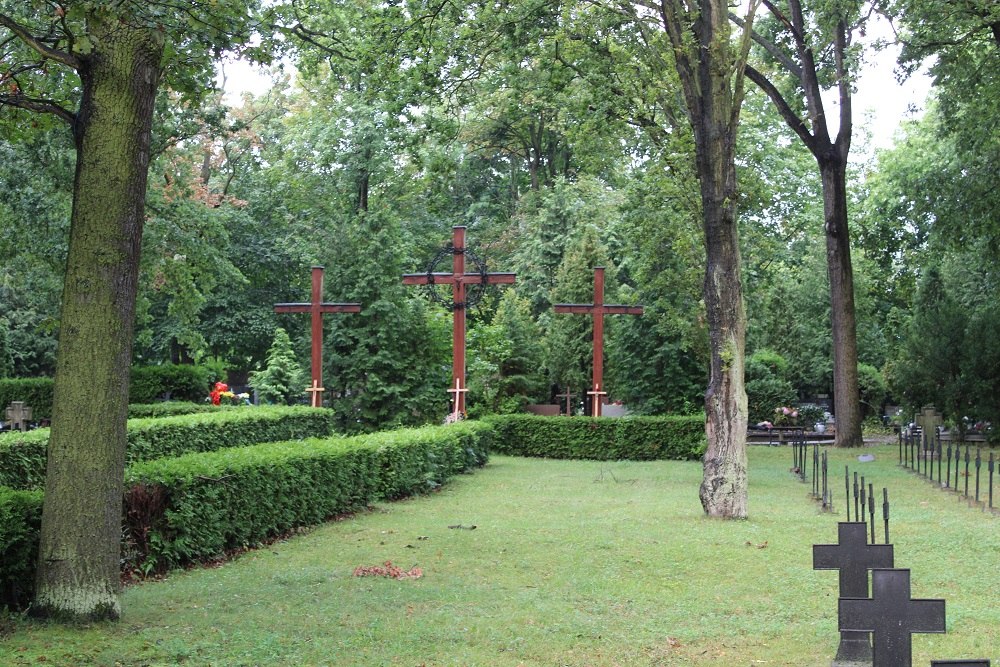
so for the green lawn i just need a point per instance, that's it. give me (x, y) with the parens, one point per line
(570, 563)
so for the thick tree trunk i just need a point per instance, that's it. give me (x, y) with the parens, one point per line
(845, 338)
(723, 489)
(78, 568)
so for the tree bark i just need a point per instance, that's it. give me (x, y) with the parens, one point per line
(833, 170)
(706, 73)
(78, 568)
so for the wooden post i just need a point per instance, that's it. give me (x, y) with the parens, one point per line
(317, 308)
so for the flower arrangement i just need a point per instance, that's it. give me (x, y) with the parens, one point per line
(221, 392)
(785, 416)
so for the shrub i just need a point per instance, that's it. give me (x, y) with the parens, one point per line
(171, 409)
(35, 392)
(632, 438)
(767, 385)
(181, 382)
(22, 455)
(20, 523)
(208, 504)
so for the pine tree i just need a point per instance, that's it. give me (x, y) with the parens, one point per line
(282, 380)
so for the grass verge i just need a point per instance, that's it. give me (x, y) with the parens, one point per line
(570, 563)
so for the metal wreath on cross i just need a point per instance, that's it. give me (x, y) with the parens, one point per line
(473, 296)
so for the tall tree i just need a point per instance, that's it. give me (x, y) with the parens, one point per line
(96, 66)
(806, 47)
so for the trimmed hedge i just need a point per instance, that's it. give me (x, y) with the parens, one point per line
(20, 524)
(201, 506)
(604, 439)
(22, 455)
(36, 393)
(173, 408)
(178, 382)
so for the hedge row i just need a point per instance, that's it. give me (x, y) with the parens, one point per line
(20, 523)
(202, 506)
(22, 455)
(605, 439)
(148, 384)
(172, 409)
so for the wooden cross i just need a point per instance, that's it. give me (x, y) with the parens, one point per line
(458, 279)
(317, 308)
(596, 400)
(853, 557)
(598, 310)
(458, 391)
(18, 414)
(316, 400)
(568, 395)
(891, 616)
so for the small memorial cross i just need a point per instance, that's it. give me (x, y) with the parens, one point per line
(316, 391)
(853, 557)
(596, 400)
(317, 308)
(19, 415)
(458, 390)
(598, 310)
(458, 279)
(891, 616)
(568, 395)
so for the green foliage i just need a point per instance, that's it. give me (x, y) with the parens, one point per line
(22, 455)
(36, 393)
(217, 502)
(873, 389)
(180, 382)
(605, 439)
(767, 385)
(282, 379)
(20, 523)
(171, 409)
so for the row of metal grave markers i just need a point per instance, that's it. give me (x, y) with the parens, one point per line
(955, 473)
(890, 616)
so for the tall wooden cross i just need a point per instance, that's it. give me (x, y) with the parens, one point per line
(891, 616)
(316, 308)
(598, 310)
(458, 279)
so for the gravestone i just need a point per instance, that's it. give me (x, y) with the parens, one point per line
(853, 557)
(891, 616)
(928, 419)
(18, 415)
(615, 410)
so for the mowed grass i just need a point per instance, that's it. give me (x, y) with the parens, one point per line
(570, 563)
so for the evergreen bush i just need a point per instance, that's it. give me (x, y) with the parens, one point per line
(767, 385)
(282, 380)
(20, 524)
(606, 439)
(179, 382)
(172, 409)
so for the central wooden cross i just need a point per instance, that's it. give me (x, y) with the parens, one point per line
(317, 308)
(458, 279)
(598, 310)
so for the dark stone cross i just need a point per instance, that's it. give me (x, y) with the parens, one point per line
(597, 310)
(568, 395)
(853, 557)
(458, 279)
(19, 415)
(891, 616)
(317, 308)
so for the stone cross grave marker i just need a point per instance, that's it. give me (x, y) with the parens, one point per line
(18, 414)
(928, 419)
(317, 308)
(598, 310)
(853, 557)
(458, 279)
(891, 616)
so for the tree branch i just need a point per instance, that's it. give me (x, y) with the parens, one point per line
(770, 47)
(19, 101)
(37, 45)
(793, 121)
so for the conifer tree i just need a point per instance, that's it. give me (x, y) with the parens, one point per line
(282, 379)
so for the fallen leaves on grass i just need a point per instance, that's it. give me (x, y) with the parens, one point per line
(388, 570)
(762, 545)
